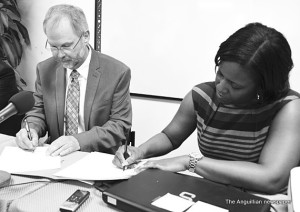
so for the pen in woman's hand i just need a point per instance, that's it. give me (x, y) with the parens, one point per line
(28, 130)
(126, 155)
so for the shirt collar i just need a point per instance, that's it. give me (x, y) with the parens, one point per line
(83, 70)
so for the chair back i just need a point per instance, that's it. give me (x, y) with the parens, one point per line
(131, 138)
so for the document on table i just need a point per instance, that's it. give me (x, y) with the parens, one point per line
(175, 203)
(95, 166)
(17, 160)
(172, 203)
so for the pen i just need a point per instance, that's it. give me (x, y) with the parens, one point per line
(28, 130)
(125, 154)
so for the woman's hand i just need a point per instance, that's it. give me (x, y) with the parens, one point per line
(175, 164)
(134, 154)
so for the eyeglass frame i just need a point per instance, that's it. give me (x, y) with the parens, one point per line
(56, 50)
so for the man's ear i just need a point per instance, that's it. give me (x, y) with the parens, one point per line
(86, 36)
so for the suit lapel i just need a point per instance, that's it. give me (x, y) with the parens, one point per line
(60, 97)
(92, 85)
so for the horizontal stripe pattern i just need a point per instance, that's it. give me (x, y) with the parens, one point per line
(229, 133)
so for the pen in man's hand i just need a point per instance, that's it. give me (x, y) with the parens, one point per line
(28, 130)
(125, 154)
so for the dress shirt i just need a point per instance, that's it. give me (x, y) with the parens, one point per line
(83, 70)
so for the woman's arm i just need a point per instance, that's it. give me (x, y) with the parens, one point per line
(179, 129)
(181, 126)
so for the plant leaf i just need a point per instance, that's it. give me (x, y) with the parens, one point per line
(12, 24)
(1, 28)
(13, 9)
(14, 2)
(23, 31)
(10, 52)
(2, 56)
(16, 43)
(4, 18)
(6, 2)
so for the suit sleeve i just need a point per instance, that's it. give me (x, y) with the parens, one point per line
(109, 136)
(36, 116)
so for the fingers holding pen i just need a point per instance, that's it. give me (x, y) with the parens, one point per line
(23, 141)
(34, 138)
(119, 159)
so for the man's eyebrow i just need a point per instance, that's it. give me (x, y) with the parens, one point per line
(64, 44)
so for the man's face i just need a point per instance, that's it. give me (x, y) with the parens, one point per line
(66, 46)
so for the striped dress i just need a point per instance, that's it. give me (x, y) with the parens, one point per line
(230, 133)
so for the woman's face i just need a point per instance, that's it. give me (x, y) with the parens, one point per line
(235, 85)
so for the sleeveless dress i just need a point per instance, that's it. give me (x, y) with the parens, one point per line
(230, 133)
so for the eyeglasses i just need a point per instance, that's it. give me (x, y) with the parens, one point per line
(55, 49)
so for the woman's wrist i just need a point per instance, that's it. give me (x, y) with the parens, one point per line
(186, 162)
(194, 158)
(142, 152)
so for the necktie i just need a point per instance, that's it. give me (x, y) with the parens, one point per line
(72, 104)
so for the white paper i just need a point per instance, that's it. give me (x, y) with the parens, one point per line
(172, 203)
(4, 138)
(95, 166)
(202, 206)
(187, 172)
(295, 188)
(17, 160)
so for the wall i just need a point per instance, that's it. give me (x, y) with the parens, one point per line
(151, 117)
(170, 44)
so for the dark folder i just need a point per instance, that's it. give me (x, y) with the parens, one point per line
(137, 193)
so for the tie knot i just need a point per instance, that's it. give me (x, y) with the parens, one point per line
(74, 74)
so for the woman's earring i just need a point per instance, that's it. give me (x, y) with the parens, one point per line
(257, 96)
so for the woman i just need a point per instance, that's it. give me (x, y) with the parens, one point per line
(247, 120)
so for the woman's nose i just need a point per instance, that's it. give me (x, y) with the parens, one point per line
(222, 86)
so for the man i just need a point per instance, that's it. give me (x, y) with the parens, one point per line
(82, 97)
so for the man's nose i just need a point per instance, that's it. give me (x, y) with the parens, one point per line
(60, 53)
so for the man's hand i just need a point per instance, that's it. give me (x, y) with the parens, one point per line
(23, 141)
(63, 145)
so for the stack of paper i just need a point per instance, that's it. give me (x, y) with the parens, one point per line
(95, 166)
(17, 160)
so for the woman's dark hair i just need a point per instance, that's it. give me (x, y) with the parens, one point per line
(266, 52)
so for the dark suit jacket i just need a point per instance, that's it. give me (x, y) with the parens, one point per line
(107, 107)
(8, 88)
